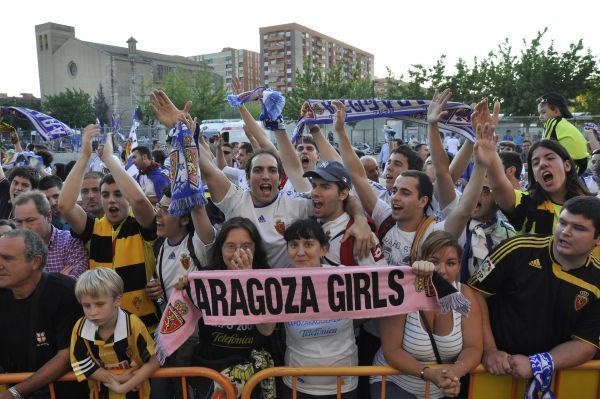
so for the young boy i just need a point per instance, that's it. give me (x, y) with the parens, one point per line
(108, 343)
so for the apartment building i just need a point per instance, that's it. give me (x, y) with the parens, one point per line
(230, 62)
(284, 48)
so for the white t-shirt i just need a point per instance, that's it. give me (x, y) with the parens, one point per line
(397, 243)
(335, 230)
(176, 261)
(321, 343)
(236, 176)
(271, 220)
(380, 191)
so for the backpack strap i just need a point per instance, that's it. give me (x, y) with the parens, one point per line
(386, 226)
(347, 247)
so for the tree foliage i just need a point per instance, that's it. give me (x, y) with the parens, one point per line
(516, 79)
(101, 106)
(181, 85)
(313, 83)
(73, 107)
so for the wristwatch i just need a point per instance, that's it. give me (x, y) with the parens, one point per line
(423, 372)
(13, 391)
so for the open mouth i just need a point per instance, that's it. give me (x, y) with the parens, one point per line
(113, 210)
(265, 188)
(547, 176)
(396, 207)
(304, 159)
(317, 205)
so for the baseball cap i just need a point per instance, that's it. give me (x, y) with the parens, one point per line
(332, 171)
(557, 100)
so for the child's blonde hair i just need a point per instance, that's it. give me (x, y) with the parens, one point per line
(99, 281)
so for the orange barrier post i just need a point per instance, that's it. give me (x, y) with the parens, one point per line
(170, 372)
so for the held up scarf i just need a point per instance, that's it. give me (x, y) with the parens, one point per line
(457, 120)
(187, 191)
(232, 297)
(48, 127)
(272, 103)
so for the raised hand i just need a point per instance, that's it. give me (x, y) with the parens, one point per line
(485, 145)
(436, 110)
(89, 132)
(164, 109)
(107, 154)
(187, 120)
(340, 115)
(236, 85)
(481, 114)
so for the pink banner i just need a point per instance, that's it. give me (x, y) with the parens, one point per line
(231, 297)
(325, 293)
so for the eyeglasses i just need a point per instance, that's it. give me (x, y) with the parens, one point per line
(161, 208)
(231, 247)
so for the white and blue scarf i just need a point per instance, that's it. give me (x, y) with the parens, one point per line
(318, 112)
(187, 191)
(542, 366)
(271, 101)
(48, 127)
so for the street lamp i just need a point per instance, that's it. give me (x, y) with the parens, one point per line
(373, 82)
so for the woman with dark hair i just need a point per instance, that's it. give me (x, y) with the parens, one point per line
(411, 342)
(237, 246)
(317, 343)
(552, 176)
(231, 348)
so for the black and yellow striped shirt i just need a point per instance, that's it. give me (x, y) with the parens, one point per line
(129, 347)
(534, 304)
(127, 249)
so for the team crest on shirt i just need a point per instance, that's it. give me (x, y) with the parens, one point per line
(129, 352)
(40, 338)
(184, 259)
(137, 302)
(581, 299)
(279, 226)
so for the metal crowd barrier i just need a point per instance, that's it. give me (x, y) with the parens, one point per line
(582, 382)
(170, 372)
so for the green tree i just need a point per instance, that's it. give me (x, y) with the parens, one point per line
(517, 80)
(181, 85)
(101, 106)
(313, 83)
(73, 107)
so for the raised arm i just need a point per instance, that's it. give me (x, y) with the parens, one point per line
(360, 182)
(74, 215)
(202, 226)
(326, 150)
(14, 138)
(221, 162)
(443, 181)
(291, 162)
(458, 218)
(251, 127)
(485, 150)
(461, 160)
(143, 210)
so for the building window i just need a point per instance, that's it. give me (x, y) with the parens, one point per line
(72, 69)
(46, 41)
(41, 43)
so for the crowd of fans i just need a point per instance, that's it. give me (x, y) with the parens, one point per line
(89, 254)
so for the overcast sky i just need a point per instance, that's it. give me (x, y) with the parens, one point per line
(398, 33)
